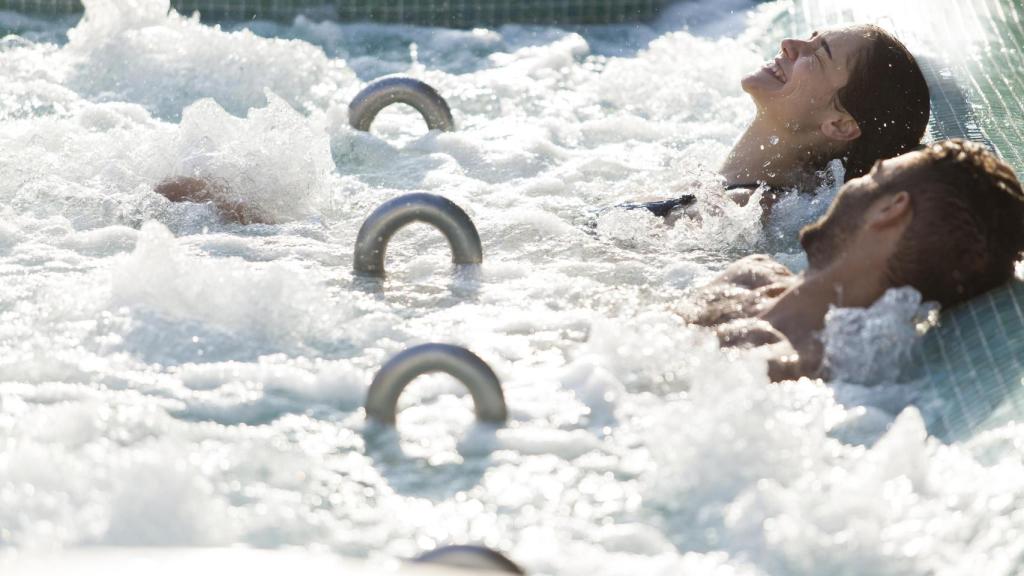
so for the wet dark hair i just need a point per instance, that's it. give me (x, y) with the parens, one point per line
(888, 97)
(967, 228)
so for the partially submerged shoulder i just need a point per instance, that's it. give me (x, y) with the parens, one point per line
(231, 207)
(753, 272)
(741, 291)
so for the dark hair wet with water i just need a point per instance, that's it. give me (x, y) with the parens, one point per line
(967, 231)
(888, 97)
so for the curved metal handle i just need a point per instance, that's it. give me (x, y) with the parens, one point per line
(387, 91)
(466, 367)
(393, 215)
(470, 556)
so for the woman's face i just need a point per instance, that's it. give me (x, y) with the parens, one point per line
(798, 88)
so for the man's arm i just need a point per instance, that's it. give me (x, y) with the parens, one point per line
(754, 272)
(741, 291)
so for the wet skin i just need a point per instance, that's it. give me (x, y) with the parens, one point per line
(199, 191)
(802, 81)
(759, 303)
(799, 124)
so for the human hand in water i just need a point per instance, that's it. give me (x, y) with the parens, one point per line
(784, 362)
(747, 333)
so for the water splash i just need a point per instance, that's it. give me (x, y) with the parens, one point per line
(874, 345)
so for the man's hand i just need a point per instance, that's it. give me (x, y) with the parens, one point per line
(749, 333)
(756, 271)
(784, 362)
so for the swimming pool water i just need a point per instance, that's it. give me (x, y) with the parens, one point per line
(168, 379)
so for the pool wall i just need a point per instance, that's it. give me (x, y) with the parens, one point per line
(971, 54)
(450, 13)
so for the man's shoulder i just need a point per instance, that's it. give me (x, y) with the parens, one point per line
(755, 271)
(740, 291)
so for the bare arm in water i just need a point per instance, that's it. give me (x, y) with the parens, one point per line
(734, 304)
(918, 220)
(189, 189)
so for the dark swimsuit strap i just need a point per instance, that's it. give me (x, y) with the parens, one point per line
(742, 187)
(662, 208)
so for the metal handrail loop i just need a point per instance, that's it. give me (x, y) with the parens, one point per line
(463, 365)
(393, 215)
(399, 89)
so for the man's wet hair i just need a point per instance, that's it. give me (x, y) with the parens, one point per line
(967, 229)
(888, 97)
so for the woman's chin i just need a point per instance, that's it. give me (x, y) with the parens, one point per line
(761, 79)
(753, 83)
(761, 88)
(754, 88)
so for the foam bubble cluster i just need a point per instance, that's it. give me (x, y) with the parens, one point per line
(870, 345)
(142, 51)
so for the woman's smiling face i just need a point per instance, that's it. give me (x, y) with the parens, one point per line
(797, 89)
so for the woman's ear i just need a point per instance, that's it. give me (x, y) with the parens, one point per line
(841, 127)
(889, 210)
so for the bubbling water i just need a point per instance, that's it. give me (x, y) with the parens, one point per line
(167, 378)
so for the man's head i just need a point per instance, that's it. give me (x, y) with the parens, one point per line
(947, 220)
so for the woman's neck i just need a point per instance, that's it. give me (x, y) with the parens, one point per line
(769, 154)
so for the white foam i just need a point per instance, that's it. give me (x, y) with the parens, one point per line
(141, 51)
(278, 304)
(161, 499)
(336, 384)
(273, 161)
(873, 345)
(801, 502)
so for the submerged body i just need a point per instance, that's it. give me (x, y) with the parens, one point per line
(735, 304)
(200, 191)
(946, 221)
(855, 94)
